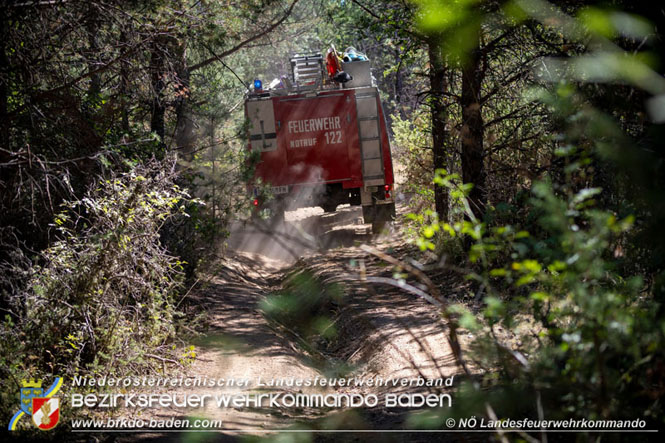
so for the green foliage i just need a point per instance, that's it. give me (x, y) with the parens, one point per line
(102, 296)
(589, 334)
(572, 305)
(412, 145)
(306, 306)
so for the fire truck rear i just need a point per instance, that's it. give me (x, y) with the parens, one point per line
(321, 143)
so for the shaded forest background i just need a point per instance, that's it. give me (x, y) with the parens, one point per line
(530, 134)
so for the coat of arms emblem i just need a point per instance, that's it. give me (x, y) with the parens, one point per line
(40, 404)
(29, 390)
(46, 412)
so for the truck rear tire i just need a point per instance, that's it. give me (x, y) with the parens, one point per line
(354, 198)
(379, 213)
(378, 227)
(329, 207)
(276, 216)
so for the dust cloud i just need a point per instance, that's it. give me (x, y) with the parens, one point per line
(303, 232)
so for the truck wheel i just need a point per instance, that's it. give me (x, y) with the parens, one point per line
(378, 227)
(276, 216)
(329, 207)
(354, 199)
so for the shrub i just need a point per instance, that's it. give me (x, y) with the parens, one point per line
(102, 296)
(585, 336)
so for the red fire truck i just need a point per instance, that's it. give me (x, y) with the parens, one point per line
(321, 143)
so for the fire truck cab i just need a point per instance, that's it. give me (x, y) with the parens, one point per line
(321, 143)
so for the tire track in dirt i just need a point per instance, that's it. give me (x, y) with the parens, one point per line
(239, 345)
(383, 331)
(242, 345)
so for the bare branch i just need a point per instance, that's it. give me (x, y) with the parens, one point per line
(244, 43)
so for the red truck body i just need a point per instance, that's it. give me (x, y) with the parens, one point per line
(318, 142)
(323, 147)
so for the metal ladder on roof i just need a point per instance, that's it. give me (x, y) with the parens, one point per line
(307, 70)
(369, 130)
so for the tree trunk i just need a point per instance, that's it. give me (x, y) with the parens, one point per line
(92, 29)
(473, 170)
(124, 87)
(157, 73)
(184, 132)
(4, 91)
(399, 84)
(437, 78)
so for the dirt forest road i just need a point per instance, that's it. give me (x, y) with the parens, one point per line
(381, 331)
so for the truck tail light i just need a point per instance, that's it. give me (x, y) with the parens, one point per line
(387, 189)
(255, 202)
